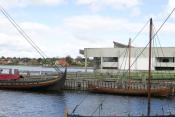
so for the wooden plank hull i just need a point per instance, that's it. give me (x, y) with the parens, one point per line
(35, 83)
(156, 92)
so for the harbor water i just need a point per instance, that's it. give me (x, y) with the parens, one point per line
(55, 104)
(45, 104)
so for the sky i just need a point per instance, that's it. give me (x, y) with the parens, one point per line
(63, 27)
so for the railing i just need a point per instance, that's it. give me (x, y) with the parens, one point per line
(110, 64)
(164, 64)
(82, 84)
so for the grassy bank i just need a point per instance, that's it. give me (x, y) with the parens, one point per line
(141, 75)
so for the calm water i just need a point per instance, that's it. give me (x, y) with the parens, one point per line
(45, 104)
(27, 104)
(40, 68)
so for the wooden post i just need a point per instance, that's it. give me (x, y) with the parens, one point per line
(85, 52)
(129, 46)
(101, 67)
(149, 70)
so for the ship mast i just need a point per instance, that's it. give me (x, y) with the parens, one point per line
(149, 70)
(129, 46)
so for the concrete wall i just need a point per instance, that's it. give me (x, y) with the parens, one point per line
(123, 63)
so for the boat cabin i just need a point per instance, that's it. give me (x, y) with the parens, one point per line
(9, 74)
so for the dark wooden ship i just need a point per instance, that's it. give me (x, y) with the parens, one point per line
(32, 82)
(156, 91)
(149, 91)
(13, 80)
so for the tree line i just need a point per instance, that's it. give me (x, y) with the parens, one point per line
(78, 61)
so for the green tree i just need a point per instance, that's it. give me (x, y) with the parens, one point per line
(69, 60)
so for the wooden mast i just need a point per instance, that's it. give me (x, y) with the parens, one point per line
(129, 46)
(149, 70)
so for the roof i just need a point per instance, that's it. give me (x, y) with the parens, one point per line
(119, 45)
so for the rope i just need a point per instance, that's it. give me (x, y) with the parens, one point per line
(163, 23)
(157, 37)
(153, 36)
(141, 30)
(79, 103)
(126, 62)
(98, 107)
(155, 51)
(126, 51)
(26, 37)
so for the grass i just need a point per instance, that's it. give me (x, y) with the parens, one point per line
(140, 75)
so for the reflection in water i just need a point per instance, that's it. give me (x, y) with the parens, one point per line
(44, 104)
(40, 68)
(118, 105)
(27, 104)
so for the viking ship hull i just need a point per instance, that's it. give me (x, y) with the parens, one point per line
(156, 92)
(50, 82)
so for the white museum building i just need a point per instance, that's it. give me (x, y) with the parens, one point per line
(117, 58)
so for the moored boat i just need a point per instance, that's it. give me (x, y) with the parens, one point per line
(156, 91)
(33, 82)
(149, 91)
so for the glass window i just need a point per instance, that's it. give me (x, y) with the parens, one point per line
(110, 59)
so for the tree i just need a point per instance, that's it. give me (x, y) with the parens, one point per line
(69, 60)
(2, 57)
(79, 59)
(39, 60)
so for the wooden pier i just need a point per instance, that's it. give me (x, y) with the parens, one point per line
(82, 84)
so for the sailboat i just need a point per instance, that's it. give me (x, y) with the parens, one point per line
(14, 80)
(32, 82)
(149, 91)
(156, 91)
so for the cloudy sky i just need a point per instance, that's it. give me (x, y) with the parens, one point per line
(62, 27)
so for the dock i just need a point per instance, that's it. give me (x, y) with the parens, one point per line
(80, 81)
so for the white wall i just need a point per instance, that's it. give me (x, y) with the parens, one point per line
(140, 64)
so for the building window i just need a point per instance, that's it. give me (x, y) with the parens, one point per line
(164, 68)
(110, 67)
(110, 59)
(97, 62)
(165, 59)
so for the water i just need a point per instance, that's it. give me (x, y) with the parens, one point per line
(47, 104)
(44, 104)
(118, 105)
(28, 104)
(40, 68)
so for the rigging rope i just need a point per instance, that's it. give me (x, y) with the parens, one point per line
(141, 30)
(125, 54)
(126, 51)
(98, 107)
(26, 37)
(157, 37)
(79, 104)
(153, 36)
(127, 58)
(163, 23)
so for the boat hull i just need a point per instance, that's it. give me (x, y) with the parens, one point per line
(35, 83)
(156, 92)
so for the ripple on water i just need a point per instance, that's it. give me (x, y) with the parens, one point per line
(44, 104)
